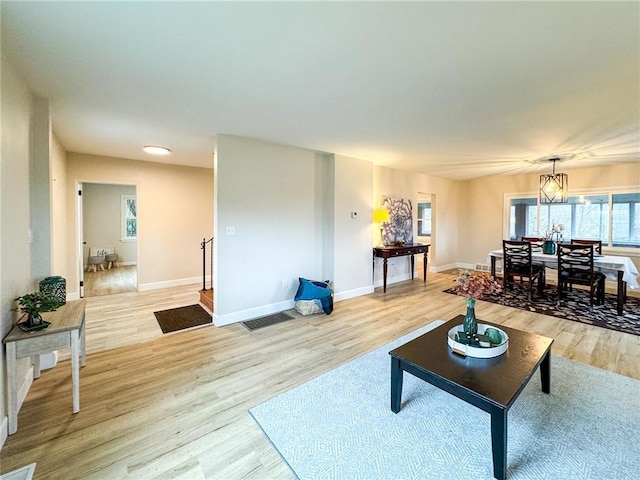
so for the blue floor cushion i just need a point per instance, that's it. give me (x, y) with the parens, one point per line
(316, 290)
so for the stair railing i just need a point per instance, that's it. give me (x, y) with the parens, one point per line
(203, 246)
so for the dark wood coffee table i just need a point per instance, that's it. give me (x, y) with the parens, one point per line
(491, 384)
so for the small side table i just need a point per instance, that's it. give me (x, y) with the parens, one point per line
(67, 330)
(409, 249)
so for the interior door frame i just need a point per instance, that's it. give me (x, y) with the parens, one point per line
(79, 237)
(431, 198)
(80, 230)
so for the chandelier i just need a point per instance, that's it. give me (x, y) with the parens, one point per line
(554, 188)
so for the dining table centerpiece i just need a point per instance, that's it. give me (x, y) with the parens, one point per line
(474, 285)
(552, 237)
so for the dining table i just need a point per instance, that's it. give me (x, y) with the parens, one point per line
(618, 268)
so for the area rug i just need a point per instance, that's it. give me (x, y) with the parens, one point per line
(180, 318)
(267, 321)
(340, 426)
(576, 307)
(24, 473)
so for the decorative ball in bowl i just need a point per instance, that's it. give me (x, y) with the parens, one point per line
(489, 342)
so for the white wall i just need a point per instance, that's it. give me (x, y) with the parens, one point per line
(267, 193)
(102, 213)
(58, 208)
(40, 189)
(325, 192)
(175, 212)
(290, 209)
(353, 188)
(15, 252)
(445, 207)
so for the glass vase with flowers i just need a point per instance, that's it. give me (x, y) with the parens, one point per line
(551, 237)
(474, 285)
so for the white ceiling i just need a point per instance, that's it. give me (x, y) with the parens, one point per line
(452, 89)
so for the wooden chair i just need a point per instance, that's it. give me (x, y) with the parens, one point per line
(575, 266)
(596, 243)
(517, 263)
(536, 242)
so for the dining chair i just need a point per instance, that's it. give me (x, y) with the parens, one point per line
(517, 263)
(596, 243)
(575, 266)
(536, 242)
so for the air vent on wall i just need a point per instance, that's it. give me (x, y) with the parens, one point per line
(481, 267)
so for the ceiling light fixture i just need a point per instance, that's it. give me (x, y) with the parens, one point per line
(554, 188)
(155, 150)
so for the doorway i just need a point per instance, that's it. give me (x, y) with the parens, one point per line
(107, 225)
(426, 221)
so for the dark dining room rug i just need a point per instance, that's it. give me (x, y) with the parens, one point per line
(576, 307)
(175, 319)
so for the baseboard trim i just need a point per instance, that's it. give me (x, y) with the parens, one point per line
(145, 287)
(22, 395)
(358, 292)
(392, 280)
(452, 266)
(251, 313)
(4, 431)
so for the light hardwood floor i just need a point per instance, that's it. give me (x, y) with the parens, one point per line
(109, 281)
(175, 406)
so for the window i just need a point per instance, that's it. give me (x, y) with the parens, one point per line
(129, 218)
(625, 219)
(612, 218)
(584, 217)
(523, 218)
(424, 219)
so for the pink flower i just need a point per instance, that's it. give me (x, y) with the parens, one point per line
(473, 284)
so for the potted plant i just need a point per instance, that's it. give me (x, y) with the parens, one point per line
(33, 304)
(474, 285)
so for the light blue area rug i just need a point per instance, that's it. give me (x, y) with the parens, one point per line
(24, 473)
(340, 426)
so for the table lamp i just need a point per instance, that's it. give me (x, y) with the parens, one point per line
(381, 216)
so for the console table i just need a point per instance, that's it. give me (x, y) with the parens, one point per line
(67, 330)
(409, 249)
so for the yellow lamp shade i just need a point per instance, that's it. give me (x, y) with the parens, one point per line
(380, 216)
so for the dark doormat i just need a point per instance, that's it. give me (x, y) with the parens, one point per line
(183, 317)
(267, 321)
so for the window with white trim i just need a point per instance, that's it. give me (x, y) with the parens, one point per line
(424, 219)
(613, 218)
(625, 219)
(129, 218)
